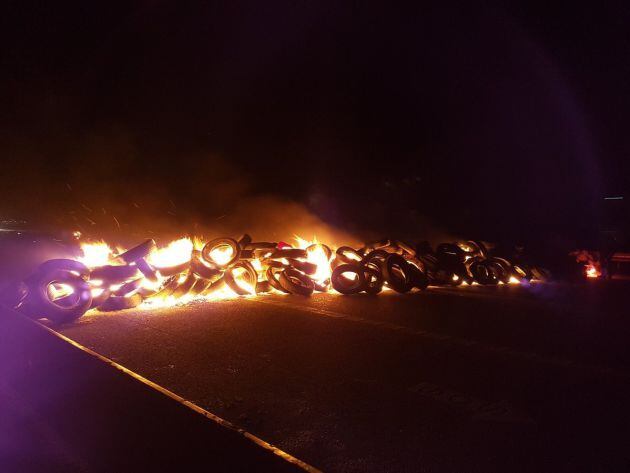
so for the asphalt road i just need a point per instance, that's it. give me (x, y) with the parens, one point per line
(470, 379)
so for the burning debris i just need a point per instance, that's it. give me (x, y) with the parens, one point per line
(146, 276)
(590, 261)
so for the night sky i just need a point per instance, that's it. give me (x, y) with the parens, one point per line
(480, 121)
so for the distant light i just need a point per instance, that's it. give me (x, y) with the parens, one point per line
(619, 197)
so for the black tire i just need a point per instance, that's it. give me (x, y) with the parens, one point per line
(114, 274)
(345, 285)
(375, 259)
(398, 273)
(303, 266)
(522, 272)
(244, 240)
(295, 282)
(373, 280)
(502, 268)
(65, 265)
(483, 273)
(121, 303)
(138, 252)
(38, 303)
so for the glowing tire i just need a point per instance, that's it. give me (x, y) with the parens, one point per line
(263, 287)
(201, 269)
(218, 243)
(183, 288)
(303, 266)
(270, 274)
(250, 272)
(344, 254)
(173, 270)
(98, 300)
(325, 248)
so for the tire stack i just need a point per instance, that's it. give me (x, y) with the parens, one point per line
(62, 290)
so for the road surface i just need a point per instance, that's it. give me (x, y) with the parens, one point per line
(450, 380)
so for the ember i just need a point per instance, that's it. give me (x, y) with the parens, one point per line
(148, 277)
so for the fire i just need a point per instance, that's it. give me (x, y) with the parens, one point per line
(590, 261)
(316, 254)
(175, 253)
(95, 254)
(222, 255)
(591, 271)
(192, 269)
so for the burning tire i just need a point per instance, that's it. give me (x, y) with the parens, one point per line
(183, 288)
(273, 279)
(294, 282)
(221, 252)
(69, 265)
(173, 270)
(348, 255)
(59, 295)
(128, 288)
(137, 254)
(325, 248)
(121, 303)
(303, 266)
(203, 269)
(114, 274)
(263, 287)
(294, 253)
(249, 276)
(99, 299)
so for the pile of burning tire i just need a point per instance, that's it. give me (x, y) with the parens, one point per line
(62, 290)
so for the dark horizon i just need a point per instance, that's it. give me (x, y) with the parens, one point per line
(494, 123)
